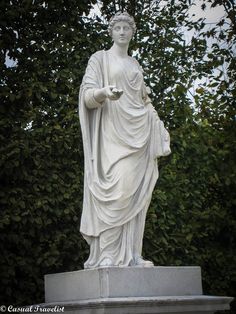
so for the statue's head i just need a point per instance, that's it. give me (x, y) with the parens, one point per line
(121, 17)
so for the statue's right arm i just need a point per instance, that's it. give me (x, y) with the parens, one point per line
(94, 98)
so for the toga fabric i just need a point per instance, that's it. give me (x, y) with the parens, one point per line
(121, 141)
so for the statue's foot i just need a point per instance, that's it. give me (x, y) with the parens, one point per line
(140, 262)
(106, 262)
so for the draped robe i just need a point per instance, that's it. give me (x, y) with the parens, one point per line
(121, 145)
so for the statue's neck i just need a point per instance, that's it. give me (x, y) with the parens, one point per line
(119, 51)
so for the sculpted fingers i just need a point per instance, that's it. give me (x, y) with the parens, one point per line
(117, 92)
(109, 92)
(112, 93)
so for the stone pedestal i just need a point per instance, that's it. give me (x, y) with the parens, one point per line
(117, 282)
(127, 290)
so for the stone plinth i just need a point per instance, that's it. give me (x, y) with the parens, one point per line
(130, 290)
(142, 305)
(116, 282)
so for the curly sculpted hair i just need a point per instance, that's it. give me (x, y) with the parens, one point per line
(121, 17)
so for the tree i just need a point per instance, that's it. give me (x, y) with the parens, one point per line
(41, 151)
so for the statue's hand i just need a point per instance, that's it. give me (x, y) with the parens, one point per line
(112, 92)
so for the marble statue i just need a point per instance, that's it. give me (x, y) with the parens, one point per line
(122, 138)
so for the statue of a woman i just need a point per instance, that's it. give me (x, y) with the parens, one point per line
(122, 138)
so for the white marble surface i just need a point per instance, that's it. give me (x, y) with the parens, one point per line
(131, 290)
(115, 282)
(122, 138)
(146, 305)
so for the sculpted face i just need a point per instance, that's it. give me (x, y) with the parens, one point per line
(122, 33)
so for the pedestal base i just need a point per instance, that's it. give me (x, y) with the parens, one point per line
(130, 290)
(145, 305)
(116, 282)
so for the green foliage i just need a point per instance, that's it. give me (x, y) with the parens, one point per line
(41, 151)
(191, 220)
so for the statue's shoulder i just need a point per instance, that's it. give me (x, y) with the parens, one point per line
(135, 61)
(97, 55)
